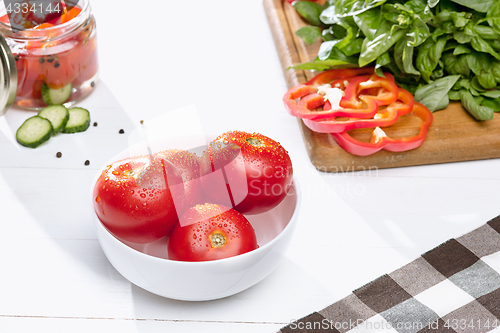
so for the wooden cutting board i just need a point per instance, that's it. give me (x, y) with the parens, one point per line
(454, 135)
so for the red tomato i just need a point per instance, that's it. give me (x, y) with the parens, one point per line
(211, 232)
(134, 199)
(188, 166)
(249, 172)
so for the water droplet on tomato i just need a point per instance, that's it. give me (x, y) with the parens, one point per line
(131, 192)
(114, 172)
(98, 199)
(143, 195)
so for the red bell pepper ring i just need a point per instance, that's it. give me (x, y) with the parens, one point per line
(353, 104)
(334, 74)
(383, 118)
(380, 140)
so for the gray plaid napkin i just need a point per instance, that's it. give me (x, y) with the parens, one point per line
(454, 287)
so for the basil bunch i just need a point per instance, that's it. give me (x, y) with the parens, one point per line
(439, 50)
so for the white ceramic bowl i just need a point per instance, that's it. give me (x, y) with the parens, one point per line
(148, 266)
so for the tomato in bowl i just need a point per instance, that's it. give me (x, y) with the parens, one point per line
(149, 265)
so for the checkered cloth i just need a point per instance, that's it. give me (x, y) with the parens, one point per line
(454, 287)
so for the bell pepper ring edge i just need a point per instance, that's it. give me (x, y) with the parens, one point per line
(351, 104)
(380, 140)
(387, 117)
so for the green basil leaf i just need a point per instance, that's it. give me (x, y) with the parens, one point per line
(429, 54)
(369, 21)
(465, 83)
(403, 56)
(319, 66)
(442, 16)
(474, 83)
(481, 6)
(461, 49)
(309, 10)
(435, 95)
(481, 45)
(493, 17)
(309, 34)
(462, 37)
(328, 50)
(492, 93)
(460, 19)
(419, 32)
(382, 42)
(383, 60)
(333, 32)
(475, 93)
(491, 103)
(487, 80)
(432, 3)
(349, 38)
(443, 29)
(453, 95)
(352, 8)
(353, 48)
(485, 32)
(474, 61)
(479, 112)
(495, 68)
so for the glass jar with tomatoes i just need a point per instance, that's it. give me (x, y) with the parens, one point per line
(55, 50)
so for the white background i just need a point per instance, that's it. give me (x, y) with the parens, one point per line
(219, 56)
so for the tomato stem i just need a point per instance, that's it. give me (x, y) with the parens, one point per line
(217, 239)
(254, 142)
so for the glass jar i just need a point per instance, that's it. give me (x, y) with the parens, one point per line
(56, 62)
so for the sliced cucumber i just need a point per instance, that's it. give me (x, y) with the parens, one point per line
(79, 120)
(56, 96)
(58, 116)
(34, 131)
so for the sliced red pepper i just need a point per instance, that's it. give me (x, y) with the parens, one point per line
(380, 140)
(353, 104)
(334, 74)
(383, 118)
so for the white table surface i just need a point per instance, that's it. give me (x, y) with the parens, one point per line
(220, 57)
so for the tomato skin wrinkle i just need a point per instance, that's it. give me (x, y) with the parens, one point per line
(211, 232)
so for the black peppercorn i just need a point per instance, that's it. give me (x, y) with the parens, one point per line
(41, 60)
(95, 124)
(92, 84)
(59, 154)
(87, 162)
(121, 131)
(56, 64)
